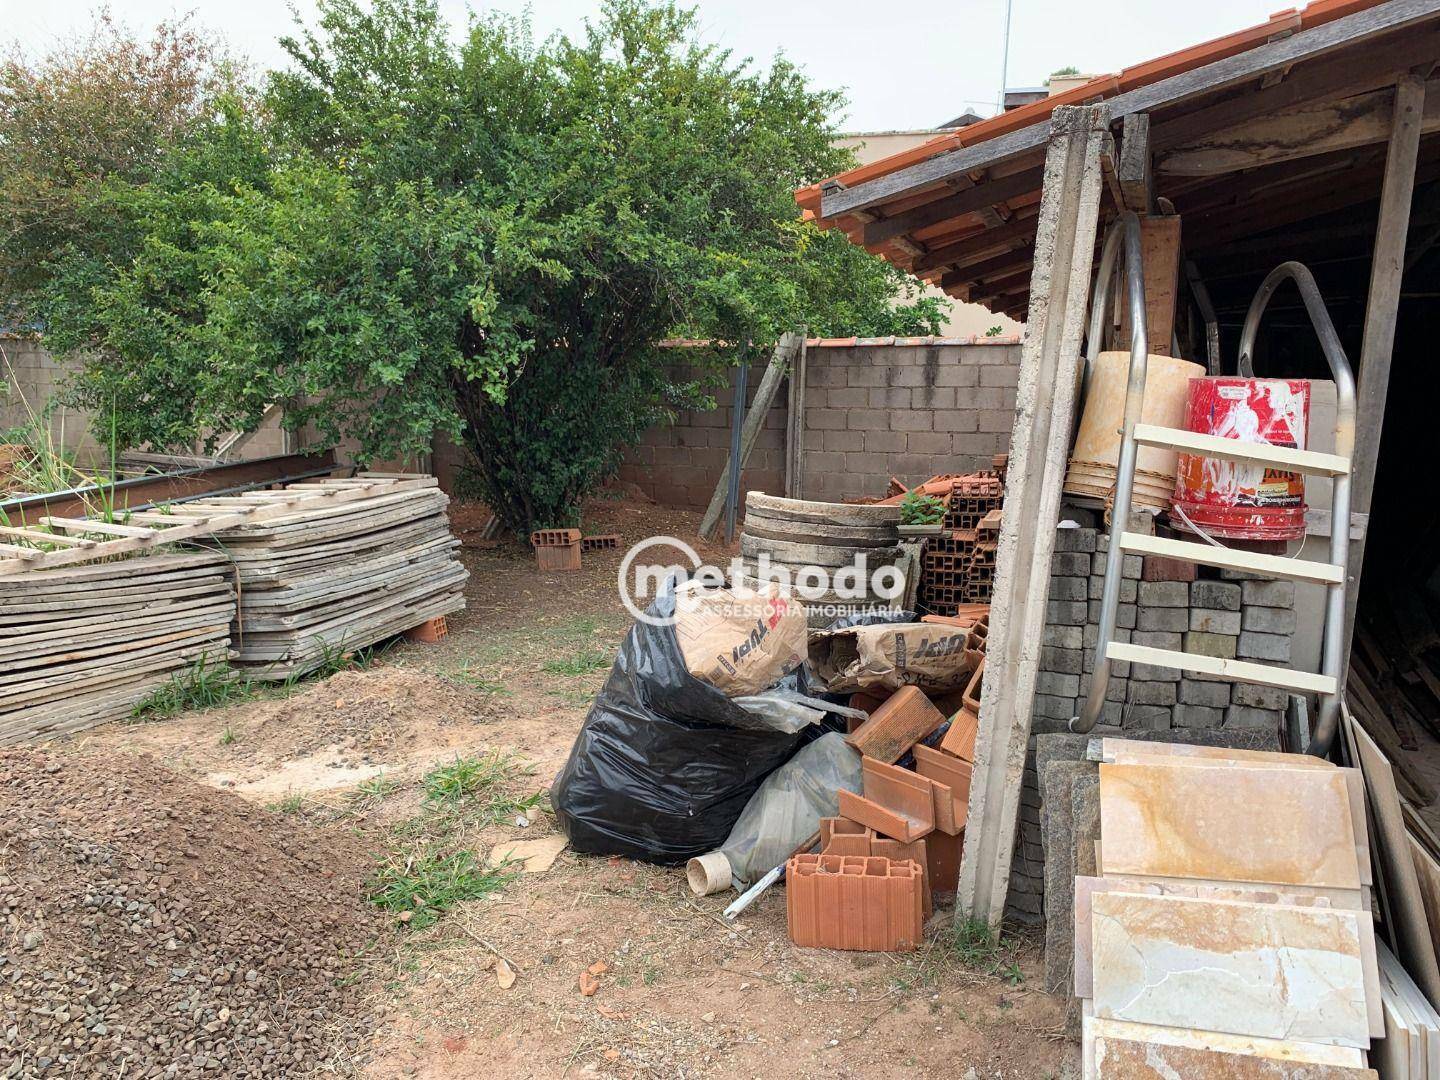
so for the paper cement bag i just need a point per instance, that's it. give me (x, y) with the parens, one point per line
(739, 643)
(889, 656)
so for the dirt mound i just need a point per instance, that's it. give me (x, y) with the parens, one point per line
(159, 925)
(367, 712)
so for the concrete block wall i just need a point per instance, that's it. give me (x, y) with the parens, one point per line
(907, 407)
(31, 378)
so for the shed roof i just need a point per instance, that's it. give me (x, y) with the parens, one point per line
(1250, 128)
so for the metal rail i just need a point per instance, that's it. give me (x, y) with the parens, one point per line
(1126, 231)
(1333, 661)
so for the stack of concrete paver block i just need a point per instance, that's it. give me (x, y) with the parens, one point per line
(1165, 605)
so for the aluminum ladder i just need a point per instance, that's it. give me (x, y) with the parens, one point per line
(1331, 574)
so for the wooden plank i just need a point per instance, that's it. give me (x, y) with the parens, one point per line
(1243, 67)
(1382, 310)
(1045, 405)
(36, 536)
(1280, 457)
(101, 528)
(1305, 682)
(984, 194)
(1160, 256)
(1396, 864)
(795, 423)
(755, 416)
(204, 526)
(1233, 558)
(1303, 131)
(1133, 172)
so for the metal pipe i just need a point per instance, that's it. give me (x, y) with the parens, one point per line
(1333, 661)
(1127, 230)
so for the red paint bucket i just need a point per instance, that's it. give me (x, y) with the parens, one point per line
(1234, 499)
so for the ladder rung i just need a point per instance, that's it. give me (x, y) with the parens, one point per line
(1238, 670)
(1233, 558)
(1281, 457)
(39, 537)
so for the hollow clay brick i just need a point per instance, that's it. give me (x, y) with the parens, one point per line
(960, 739)
(841, 836)
(865, 904)
(905, 718)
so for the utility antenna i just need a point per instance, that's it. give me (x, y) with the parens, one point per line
(1004, 60)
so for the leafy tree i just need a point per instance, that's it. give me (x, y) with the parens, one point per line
(107, 107)
(488, 240)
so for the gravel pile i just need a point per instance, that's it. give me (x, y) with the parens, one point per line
(153, 927)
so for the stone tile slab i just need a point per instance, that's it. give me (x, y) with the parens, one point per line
(1286, 1051)
(1228, 823)
(1272, 970)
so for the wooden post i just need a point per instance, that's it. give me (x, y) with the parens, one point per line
(1039, 448)
(1382, 308)
(754, 421)
(795, 425)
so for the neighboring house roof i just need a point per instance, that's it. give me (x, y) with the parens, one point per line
(937, 208)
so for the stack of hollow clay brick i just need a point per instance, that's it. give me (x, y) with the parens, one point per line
(958, 566)
(896, 845)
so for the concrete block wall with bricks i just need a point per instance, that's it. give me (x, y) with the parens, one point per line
(874, 408)
(1166, 604)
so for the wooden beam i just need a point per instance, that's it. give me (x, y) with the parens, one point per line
(1243, 67)
(1160, 248)
(1045, 403)
(1382, 309)
(1318, 127)
(976, 244)
(1137, 187)
(972, 199)
(785, 348)
(1377, 65)
(795, 423)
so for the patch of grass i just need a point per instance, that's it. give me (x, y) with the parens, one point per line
(427, 884)
(227, 736)
(292, 803)
(981, 949)
(471, 790)
(473, 679)
(203, 685)
(581, 663)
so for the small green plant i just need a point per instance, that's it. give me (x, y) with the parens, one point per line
(203, 685)
(371, 792)
(473, 679)
(917, 508)
(995, 331)
(425, 885)
(466, 776)
(227, 736)
(974, 944)
(292, 803)
(582, 663)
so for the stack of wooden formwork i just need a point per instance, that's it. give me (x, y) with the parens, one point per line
(80, 645)
(328, 580)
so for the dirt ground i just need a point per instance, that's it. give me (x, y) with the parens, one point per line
(681, 992)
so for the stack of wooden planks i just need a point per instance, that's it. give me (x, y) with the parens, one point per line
(327, 580)
(80, 645)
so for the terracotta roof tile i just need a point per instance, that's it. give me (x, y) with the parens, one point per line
(1290, 20)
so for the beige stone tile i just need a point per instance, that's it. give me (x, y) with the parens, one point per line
(1272, 970)
(1126, 751)
(1120, 1059)
(1285, 1050)
(1228, 823)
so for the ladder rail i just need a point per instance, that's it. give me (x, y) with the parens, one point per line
(1333, 661)
(1125, 231)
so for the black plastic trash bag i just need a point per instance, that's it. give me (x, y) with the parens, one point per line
(664, 763)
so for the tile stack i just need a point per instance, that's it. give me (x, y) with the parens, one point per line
(1163, 604)
(958, 566)
(80, 645)
(330, 580)
(1228, 932)
(896, 845)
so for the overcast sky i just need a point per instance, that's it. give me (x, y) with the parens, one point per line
(904, 64)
